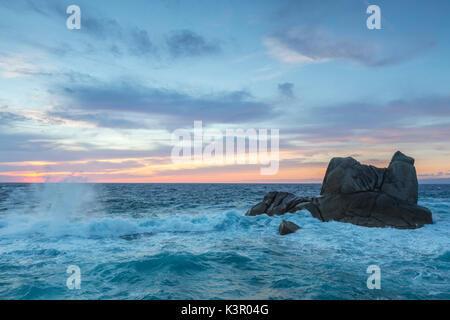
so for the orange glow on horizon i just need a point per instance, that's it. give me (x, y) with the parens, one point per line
(298, 167)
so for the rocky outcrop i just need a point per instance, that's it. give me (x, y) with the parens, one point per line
(346, 175)
(360, 194)
(278, 203)
(400, 179)
(287, 227)
(370, 209)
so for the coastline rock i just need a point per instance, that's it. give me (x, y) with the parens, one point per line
(360, 194)
(346, 175)
(370, 209)
(135, 236)
(287, 227)
(400, 179)
(278, 203)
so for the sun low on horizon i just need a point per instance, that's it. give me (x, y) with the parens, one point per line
(224, 159)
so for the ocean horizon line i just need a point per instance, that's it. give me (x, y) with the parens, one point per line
(421, 182)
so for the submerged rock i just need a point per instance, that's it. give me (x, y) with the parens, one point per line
(287, 227)
(360, 194)
(135, 236)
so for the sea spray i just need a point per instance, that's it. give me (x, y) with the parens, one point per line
(149, 241)
(46, 207)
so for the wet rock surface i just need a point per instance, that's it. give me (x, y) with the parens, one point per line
(287, 227)
(360, 194)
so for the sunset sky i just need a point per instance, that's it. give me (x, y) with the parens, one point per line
(99, 104)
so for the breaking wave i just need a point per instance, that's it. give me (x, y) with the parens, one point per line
(194, 242)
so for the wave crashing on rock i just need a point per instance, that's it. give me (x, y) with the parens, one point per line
(360, 194)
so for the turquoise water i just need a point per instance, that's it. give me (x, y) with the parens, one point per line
(162, 241)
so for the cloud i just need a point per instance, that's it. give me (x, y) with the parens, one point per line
(135, 40)
(22, 146)
(43, 7)
(77, 166)
(179, 107)
(141, 44)
(7, 117)
(112, 36)
(44, 147)
(366, 115)
(99, 119)
(315, 45)
(186, 43)
(16, 67)
(102, 29)
(423, 119)
(286, 89)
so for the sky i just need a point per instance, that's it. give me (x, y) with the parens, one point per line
(100, 104)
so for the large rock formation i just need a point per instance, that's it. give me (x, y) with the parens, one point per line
(278, 203)
(287, 227)
(360, 194)
(400, 179)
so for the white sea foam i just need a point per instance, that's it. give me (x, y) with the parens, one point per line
(118, 237)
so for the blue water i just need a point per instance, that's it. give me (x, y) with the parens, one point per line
(162, 241)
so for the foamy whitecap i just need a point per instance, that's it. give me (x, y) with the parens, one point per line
(193, 241)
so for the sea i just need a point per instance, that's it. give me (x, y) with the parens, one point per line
(193, 241)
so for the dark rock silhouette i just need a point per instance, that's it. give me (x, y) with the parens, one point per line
(278, 203)
(287, 227)
(346, 176)
(135, 236)
(400, 179)
(360, 194)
